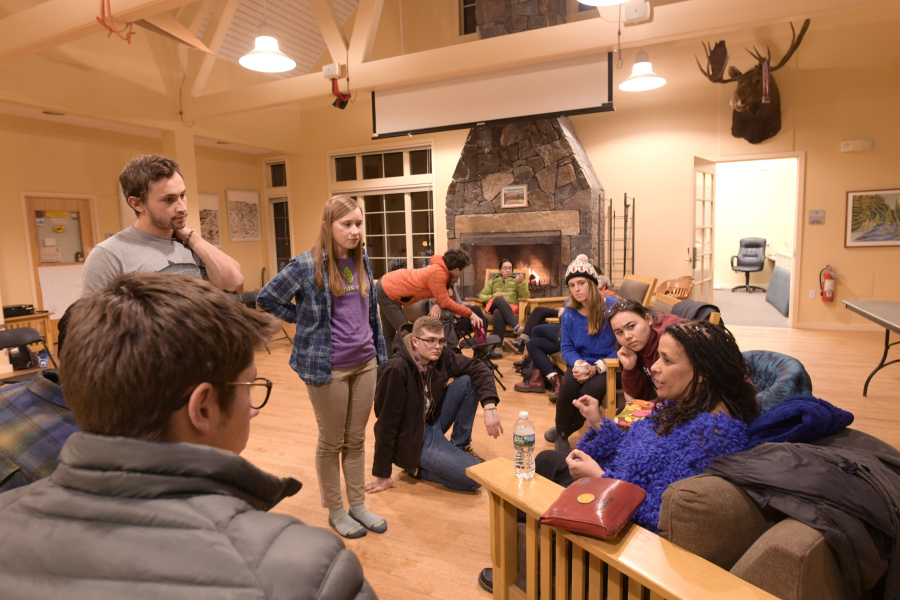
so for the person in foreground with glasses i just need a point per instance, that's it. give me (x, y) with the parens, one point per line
(416, 407)
(151, 499)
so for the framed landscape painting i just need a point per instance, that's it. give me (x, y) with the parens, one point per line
(873, 218)
(514, 197)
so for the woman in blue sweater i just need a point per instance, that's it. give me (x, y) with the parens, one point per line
(708, 404)
(585, 340)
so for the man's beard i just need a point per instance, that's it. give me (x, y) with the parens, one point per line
(165, 224)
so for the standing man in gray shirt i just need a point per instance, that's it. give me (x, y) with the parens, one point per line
(158, 241)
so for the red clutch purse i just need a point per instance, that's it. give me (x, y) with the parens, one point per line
(595, 506)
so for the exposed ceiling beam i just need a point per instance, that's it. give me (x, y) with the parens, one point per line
(56, 22)
(214, 35)
(683, 20)
(368, 14)
(331, 29)
(168, 26)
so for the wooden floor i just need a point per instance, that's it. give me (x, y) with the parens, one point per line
(437, 539)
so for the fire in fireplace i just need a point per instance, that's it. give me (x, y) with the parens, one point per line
(534, 254)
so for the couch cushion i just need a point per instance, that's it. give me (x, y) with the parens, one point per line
(794, 562)
(712, 518)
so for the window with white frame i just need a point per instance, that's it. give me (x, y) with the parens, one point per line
(394, 187)
(279, 222)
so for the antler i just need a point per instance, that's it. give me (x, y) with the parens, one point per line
(716, 59)
(795, 43)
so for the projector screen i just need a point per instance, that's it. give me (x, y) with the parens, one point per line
(574, 86)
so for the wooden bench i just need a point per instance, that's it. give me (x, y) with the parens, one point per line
(636, 558)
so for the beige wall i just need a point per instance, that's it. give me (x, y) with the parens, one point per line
(753, 199)
(48, 158)
(221, 170)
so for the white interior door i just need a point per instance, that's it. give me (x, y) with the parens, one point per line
(702, 228)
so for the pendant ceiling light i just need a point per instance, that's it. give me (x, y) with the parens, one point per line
(602, 2)
(265, 56)
(642, 77)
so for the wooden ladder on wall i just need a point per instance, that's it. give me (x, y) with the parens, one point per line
(619, 243)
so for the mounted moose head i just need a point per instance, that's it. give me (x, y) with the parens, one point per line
(756, 101)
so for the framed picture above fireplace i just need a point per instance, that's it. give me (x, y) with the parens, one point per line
(514, 197)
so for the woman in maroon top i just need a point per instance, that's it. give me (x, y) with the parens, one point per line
(637, 331)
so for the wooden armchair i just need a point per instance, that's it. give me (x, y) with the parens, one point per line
(488, 275)
(677, 288)
(638, 288)
(614, 399)
(558, 561)
(532, 303)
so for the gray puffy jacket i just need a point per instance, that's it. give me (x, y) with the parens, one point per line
(125, 518)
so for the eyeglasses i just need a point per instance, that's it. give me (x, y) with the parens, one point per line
(260, 388)
(433, 341)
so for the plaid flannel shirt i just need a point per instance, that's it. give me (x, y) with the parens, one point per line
(292, 296)
(34, 424)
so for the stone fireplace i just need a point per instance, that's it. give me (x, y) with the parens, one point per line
(564, 200)
(563, 217)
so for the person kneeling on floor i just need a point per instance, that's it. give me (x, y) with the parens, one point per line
(416, 407)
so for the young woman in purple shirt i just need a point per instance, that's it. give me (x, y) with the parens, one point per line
(329, 293)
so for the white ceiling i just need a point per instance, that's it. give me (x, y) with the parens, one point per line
(295, 26)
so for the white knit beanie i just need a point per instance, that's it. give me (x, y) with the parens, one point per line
(580, 267)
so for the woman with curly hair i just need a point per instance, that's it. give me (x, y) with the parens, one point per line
(706, 404)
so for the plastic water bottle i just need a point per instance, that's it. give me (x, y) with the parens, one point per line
(523, 439)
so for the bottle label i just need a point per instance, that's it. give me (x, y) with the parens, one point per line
(523, 440)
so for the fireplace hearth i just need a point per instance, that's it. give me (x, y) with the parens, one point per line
(535, 254)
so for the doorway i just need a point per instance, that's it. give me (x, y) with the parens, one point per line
(60, 233)
(756, 198)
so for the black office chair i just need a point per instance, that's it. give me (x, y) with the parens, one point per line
(750, 259)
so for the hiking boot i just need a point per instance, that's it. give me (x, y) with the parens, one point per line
(517, 345)
(495, 354)
(534, 384)
(550, 435)
(469, 450)
(554, 392)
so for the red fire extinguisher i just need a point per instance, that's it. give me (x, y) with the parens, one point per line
(826, 282)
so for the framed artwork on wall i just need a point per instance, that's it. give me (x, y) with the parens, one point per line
(209, 219)
(514, 197)
(873, 218)
(243, 216)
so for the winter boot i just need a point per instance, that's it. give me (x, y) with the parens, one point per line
(555, 382)
(534, 384)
